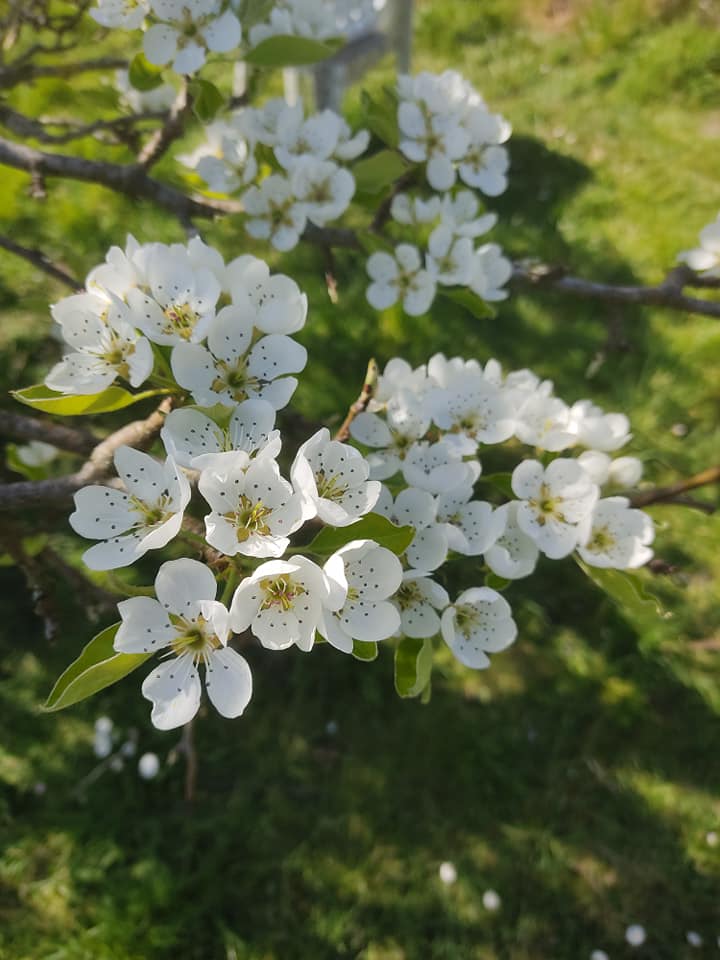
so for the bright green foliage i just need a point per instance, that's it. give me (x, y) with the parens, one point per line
(291, 51)
(371, 527)
(413, 666)
(68, 405)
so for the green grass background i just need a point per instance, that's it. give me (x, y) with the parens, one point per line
(578, 777)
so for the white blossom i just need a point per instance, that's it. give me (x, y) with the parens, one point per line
(619, 536)
(460, 214)
(412, 211)
(333, 479)
(489, 271)
(438, 467)
(705, 259)
(323, 189)
(187, 31)
(418, 600)
(471, 526)
(279, 305)
(188, 620)
(120, 14)
(556, 504)
(371, 574)
(274, 213)
(404, 423)
(596, 429)
(36, 453)
(226, 160)
(417, 508)
(436, 139)
(146, 516)
(148, 766)
(449, 259)
(544, 421)
(473, 409)
(282, 602)
(192, 439)
(138, 101)
(400, 277)
(479, 622)
(253, 509)
(514, 554)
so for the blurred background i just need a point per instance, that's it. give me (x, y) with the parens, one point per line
(533, 811)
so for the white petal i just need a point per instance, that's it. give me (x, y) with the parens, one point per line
(174, 689)
(145, 626)
(160, 44)
(181, 583)
(228, 682)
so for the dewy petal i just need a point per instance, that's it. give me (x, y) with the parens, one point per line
(181, 583)
(228, 682)
(145, 626)
(174, 690)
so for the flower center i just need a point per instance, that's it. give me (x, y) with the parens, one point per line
(546, 506)
(235, 380)
(409, 595)
(151, 514)
(250, 518)
(602, 540)
(181, 319)
(329, 488)
(194, 636)
(280, 592)
(467, 619)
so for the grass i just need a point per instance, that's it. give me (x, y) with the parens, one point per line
(579, 776)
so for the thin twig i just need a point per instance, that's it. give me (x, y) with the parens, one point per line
(360, 405)
(171, 129)
(25, 71)
(38, 129)
(674, 492)
(38, 259)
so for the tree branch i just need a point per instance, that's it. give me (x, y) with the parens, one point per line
(674, 492)
(96, 468)
(16, 426)
(171, 129)
(37, 129)
(38, 259)
(360, 405)
(25, 71)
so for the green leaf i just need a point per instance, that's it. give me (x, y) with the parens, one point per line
(285, 50)
(381, 116)
(39, 397)
(470, 301)
(501, 481)
(625, 589)
(365, 650)
(375, 174)
(495, 582)
(207, 99)
(371, 527)
(97, 667)
(413, 666)
(144, 75)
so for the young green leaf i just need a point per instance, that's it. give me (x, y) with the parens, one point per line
(474, 304)
(413, 666)
(365, 650)
(207, 99)
(39, 397)
(286, 50)
(625, 589)
(381, 116)
(501, 481)
(97, 667)
(372, 527)
(375, 174)
(144, 75)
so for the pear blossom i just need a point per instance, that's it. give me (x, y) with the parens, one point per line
(146, 516)
(412, 211)
(438, 467)
(619, 536)
(253, 509)
(36, 453)
(404, 423)
(705, 259)
(400, 277)
(418, 600)
(460, 214)
(283, 601)
(417, 508)
(322, 187)
(274, 213)
(120, 14)
(181, 304)
(436, 139)
(229, 370)
(226, 161)
(625, 471)
(187, 31)
(449, 259)
(187, 620)
(489, 271)
(371, 574)
(485, 167)
(597, 429)
(104, 345)
(471, 526)
(596, 464)
(397, 377)
(544, 422)
(158, 99)
(122, 269)
(193, 439)
(514, 554)
(333, 480)
(474, 410)
(315, 137)
(556, 504)
(479, 622)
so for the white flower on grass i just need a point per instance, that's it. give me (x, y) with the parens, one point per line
(333, 480)
(471, 526)
(489, 271)
(283, 601)
(418, 509)
(121, 14)
(556, 504)
(434, 139)
(370, 574)
(418, 599)
(479, 622)
(449, 259)
(181, 305)
(514, 554)
(438, 467)
(404, 423)
(36, 453)
(278, 304)
(254, 509)
(146, 517)
(460, 214)
(599, 430)
(274, 213)
(192, 439)
(187, 620)
(323, 188)
(189, 29)
(619, 536)
(400, 277)
(705, 259)
(229, 371)
(104, 345)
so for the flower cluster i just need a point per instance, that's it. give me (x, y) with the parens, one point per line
(705, 259)
(318, 19)
(310, 181)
